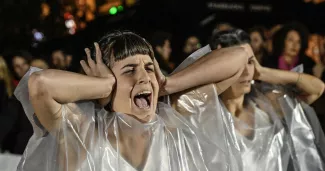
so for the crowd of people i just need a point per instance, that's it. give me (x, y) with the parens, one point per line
(276, 51)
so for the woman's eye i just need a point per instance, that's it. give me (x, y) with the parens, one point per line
(131, 71)
(149, 69)
(250, 62)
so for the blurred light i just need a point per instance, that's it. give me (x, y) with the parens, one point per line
(72, 31)
(70, 23)
(120, 8)
(67, 16)
(130, 3)
(34, 45)
(38, 36)
(113, 11)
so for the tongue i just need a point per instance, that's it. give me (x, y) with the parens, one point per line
(141, 102)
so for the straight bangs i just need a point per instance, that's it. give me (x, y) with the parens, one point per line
(119, 45)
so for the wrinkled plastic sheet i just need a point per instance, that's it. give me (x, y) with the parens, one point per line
(278, 132)
(306, 137)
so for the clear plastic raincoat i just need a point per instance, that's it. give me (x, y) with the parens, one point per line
(93, 139)
(278, 132)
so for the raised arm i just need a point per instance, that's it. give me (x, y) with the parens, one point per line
(215, 67)
(49, 89)
(312, 88)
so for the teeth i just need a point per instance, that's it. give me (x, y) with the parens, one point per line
(143, 92)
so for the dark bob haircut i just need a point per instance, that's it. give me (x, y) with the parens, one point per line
(229, 38)
(118, 45)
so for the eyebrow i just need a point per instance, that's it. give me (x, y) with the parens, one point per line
(149, 64)
(251, 57)
(130, 65)
(135, 65)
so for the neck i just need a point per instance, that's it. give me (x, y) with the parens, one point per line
(288, 59)
(234, 104)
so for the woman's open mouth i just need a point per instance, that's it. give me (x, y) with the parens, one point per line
(143, 99)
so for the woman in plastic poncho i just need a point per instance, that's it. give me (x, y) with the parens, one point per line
(253, 114)
(136, 133)
(262, 144)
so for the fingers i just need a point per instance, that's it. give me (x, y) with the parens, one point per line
(91, 62)
(98, 54)
(256, 62)
(160, 76)
(156, 65)
(88, 55)
(85, 67)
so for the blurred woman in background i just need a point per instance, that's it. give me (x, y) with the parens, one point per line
(16, 129)
(39, 63)
(161, 44)
(5, 77)
(6, 91)
(289, 46)
(258, 43)
(20, 63)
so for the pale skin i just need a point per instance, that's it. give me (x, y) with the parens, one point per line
(52, 88)
(233, 97)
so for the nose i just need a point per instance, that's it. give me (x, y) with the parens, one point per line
(143, 77)
(296, 45)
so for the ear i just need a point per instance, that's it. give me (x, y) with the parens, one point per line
(219, 46)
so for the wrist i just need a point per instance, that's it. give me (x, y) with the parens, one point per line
(162, 87)
(109, 84)
(262, 72)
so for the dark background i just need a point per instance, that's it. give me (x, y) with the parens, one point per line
(179, 17)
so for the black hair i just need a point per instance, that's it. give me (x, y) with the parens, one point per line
(218, 25)
(21, 54)
(158, 38)
(229, 38)
(118, 45)
(280, 36)
(260, 30)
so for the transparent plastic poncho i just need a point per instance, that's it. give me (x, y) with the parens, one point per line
(278, 132)
(304, 136)
(90, 138)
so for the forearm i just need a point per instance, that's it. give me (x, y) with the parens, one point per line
(66, 87)
(225, 84)
(216, 66)
(309, 85)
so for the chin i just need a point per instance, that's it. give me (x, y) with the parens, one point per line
(247, 89)
(147, 118)
(244, 90)
(143, 115)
